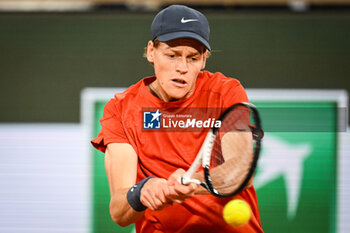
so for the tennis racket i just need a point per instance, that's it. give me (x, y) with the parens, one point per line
(229, 153)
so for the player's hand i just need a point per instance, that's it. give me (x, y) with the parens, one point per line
(177, 191)
(154, 194)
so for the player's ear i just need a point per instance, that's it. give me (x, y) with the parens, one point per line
(150, 51)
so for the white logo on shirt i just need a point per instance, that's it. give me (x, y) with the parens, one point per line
(151, 120)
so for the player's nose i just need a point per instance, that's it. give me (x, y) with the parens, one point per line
(182, 65)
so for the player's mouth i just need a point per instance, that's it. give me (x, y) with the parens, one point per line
(179, 82)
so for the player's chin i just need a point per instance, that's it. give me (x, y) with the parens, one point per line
(179, 94)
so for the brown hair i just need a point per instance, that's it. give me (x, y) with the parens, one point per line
(156, 43)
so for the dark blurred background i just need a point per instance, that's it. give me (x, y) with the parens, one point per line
(47, 57)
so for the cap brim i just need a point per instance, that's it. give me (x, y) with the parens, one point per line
(178, 35)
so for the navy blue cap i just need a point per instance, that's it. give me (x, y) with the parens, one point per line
(178, 21)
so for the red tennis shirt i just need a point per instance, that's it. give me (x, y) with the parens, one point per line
(160, 153)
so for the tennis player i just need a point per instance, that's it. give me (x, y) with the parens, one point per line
(143, 167)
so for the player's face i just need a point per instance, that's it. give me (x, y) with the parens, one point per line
(176, 65)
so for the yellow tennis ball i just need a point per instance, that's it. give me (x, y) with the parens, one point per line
(236, 212)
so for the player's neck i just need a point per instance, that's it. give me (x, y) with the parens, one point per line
(154, 89)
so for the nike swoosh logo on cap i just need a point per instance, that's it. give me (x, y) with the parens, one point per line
(183, 20)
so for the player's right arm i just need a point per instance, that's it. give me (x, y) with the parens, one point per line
(120, 165)
(121, 169)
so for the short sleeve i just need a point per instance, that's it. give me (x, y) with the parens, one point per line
(233, 93)
(112, 127)
(237, 94)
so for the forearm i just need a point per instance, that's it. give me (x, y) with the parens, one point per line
(200, 190)
(121, 212)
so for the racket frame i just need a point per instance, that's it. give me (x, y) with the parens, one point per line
(204, 155)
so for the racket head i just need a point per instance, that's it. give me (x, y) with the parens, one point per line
(235, 151)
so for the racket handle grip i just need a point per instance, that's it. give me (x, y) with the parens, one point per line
(184, 180)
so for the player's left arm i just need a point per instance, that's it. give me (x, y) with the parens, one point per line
(235, 93)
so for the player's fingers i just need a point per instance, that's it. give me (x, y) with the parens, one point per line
(159, 195)
(147, 201)
(155, 202)
(159, 199)
(176, 196)
(175, 176)
(171, 193)
(163, 192)
(178, 192)
(152, 195)
(186, 190)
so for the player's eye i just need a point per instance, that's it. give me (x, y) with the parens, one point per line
(193, 59)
